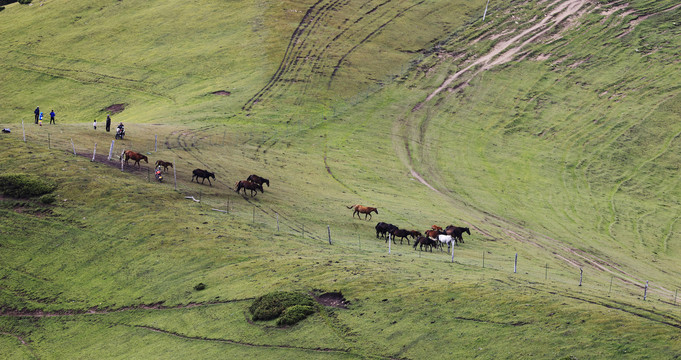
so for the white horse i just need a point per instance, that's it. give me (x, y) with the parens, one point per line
(445, 239)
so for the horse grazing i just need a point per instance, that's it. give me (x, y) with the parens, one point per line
(457, 232)
(414, 234)
(204, 174)
(422, 240)
(258, 180)
(136, 157)
(402, 234)
(384, 229)
(248, 185)
(165, 164)
(366, 210)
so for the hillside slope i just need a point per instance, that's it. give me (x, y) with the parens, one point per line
(549, 129)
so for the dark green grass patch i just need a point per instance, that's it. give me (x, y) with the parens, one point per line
(276, 304)
(25, 185)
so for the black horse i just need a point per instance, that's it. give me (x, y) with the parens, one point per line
(258, 180)
(384, 228)
(402, 234)
(249, 185)
(204, 174)
(457, 232)
(428, 242)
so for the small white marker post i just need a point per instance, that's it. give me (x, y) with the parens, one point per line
(389, 241)
(485, 13)
(328, 228)
(581, 272)
(23, 130)
(122, 152)
(74, 147)
(94, 152)
(515, 263)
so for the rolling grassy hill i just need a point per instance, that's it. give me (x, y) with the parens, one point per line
(550, 129)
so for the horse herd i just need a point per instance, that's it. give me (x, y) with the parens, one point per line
(432, 238)
(253, 183)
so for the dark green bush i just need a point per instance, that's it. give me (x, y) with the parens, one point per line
(293, 314)
(2, 8)
(272, 305)
(24, 185)
(48, 199)
(199, 286)
(25, 2)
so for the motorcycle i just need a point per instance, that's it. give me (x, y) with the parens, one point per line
(158, 174)
(120, 133)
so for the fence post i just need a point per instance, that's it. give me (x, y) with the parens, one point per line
(515, 263)
(122, 158)
(277, 221)
(23, 130)
(229, 208)
(610, 289)
(111, 150)
(645, 291)
(453, 250)
(328, 229)
(581, 272)
(74, 147)
(94, 153)
(155, 142)
(148, 175)
(389, 241)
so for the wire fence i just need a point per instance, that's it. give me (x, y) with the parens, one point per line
(313, 233)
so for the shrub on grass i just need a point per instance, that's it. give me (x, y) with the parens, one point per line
(24, 185)
(199, 286)
(272, 305)
(48, 199)
(293, 314)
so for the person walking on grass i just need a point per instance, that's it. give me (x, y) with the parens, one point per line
(94, 124)
(108, 122)
(37, 113)
(52, 114)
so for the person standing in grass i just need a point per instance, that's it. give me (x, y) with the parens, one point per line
(108, 122)
(94, 124)
(52, 117)
(37, 113)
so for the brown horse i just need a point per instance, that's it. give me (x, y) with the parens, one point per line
(457, 232)
(245, 184)
(165, 164)
(366, 210)
(258, 180)
(136, 157)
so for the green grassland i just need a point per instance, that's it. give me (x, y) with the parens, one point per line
(564, 156)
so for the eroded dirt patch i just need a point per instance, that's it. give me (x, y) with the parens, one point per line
(115, 108)
(222, 93)
(334, 299)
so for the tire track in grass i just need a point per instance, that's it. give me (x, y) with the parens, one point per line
(22, 341)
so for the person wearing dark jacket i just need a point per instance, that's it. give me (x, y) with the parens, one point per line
(108, 122)
(36, 112)
(52, 117)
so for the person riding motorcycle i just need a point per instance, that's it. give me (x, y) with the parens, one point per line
(120, 131)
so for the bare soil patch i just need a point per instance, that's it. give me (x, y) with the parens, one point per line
(222, 93)
(334, 299)
(115, 108)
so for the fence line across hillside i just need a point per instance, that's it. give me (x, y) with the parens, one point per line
(325, 235)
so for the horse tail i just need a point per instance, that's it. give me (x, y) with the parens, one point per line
(351, 207)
